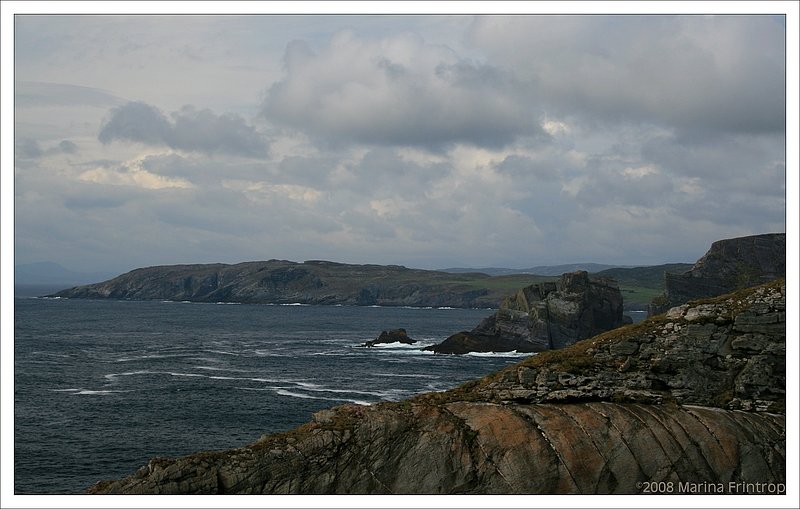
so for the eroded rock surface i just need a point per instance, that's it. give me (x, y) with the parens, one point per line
(693, 396)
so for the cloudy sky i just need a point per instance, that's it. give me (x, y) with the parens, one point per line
(425, 141)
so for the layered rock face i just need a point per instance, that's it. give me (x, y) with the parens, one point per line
(694, 398)
(729, 265)
(544, 316)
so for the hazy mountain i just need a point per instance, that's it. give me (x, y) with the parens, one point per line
(50, 273)
(540, 270)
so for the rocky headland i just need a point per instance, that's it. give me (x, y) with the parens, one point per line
(693, 398)
(310, 282)
(544, 316)
(729, 265)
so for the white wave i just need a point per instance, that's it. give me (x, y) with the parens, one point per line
(294, 304)
(150, 356)
(112, 376)
(307, 385)
(223, 352)
(215, 368)
(269, 380)
(512, 353)
(318, 388)
(404, 375)
(284, 392)
(89, 392)
(228, 303)
(267, 353)
(396, 344)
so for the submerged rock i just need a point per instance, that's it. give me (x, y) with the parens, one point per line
(692, 402)
(544, 316)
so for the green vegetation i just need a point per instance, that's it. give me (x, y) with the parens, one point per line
(641, 285)
(644, 277)
(511, 282)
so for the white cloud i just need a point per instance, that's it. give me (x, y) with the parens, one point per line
(396, 91)
(132, 176)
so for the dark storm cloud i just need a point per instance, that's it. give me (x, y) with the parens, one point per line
(397, 91)
(188, 129)
(135, 121)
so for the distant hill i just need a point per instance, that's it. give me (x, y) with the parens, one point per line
(640, 285)
(49, 273)
(651, 276)
(310, 282)
(540, 270)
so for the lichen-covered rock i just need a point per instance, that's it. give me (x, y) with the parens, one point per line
(728, 352)
(694, 404)
(544, 316)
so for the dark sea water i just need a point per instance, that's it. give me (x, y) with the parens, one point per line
(103, 386)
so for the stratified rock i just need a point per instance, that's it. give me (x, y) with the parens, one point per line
(729, 265)
(544, 316)
(392, 336)
(691, 402)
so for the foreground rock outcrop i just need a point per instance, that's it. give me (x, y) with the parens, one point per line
(544, 316)
(694, 399)
(729, 265)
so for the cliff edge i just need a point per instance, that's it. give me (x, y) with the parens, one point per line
(693, 398)
(729, 265)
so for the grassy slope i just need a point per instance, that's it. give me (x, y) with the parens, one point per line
(640, 285)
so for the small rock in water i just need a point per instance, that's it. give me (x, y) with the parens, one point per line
(392, 336)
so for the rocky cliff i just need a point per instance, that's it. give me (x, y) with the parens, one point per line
(693, 399)
(310, 282)
(729, 265)
(544, 316)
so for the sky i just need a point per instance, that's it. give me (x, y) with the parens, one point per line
(419, 140)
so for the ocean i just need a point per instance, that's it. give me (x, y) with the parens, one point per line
(100, 387)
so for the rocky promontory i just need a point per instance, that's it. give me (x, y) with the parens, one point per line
(544, 316)
(691, 401)
(729, 265)
(310, 282)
